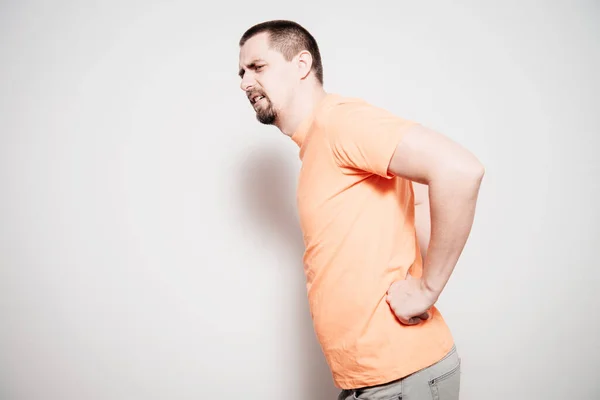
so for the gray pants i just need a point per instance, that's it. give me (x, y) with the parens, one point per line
(441, 381)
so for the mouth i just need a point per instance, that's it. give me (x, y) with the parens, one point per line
(256, 98)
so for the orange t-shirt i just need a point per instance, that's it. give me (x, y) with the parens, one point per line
(358, 226)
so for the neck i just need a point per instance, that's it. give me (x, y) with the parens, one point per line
(301, 106)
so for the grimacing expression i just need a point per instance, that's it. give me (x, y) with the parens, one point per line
(264, 74)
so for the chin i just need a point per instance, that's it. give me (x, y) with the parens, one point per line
(266, 119)
(266, 116)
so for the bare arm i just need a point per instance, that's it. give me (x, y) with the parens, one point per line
(453, 176)
(422, 216)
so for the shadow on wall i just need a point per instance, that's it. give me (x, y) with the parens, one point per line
(269, 197)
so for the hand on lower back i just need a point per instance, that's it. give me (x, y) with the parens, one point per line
(409, 301)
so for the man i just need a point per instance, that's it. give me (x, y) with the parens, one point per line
(375, 194)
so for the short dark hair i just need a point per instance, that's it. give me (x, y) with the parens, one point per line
(289, 38)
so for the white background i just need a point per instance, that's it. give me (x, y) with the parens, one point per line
(149, 245)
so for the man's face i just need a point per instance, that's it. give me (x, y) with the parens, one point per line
(267, 78)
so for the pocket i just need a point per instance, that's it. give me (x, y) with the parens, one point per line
(447, 385)
(390, 391)
(375, 397)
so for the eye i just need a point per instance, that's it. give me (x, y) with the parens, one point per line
(259, 67)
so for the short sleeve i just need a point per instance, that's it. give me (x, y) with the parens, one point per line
(364, 137)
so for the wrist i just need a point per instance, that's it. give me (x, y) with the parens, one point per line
(429, 291)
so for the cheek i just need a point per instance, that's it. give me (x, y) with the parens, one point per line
(277, 86)
(278, 93)
(273, 92)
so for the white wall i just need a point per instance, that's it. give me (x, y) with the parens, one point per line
(149, 246)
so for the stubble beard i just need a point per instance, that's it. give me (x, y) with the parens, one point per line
(266, 114)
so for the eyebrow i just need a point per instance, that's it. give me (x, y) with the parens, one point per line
(252, 65)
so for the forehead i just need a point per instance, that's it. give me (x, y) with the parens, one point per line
(257, 48)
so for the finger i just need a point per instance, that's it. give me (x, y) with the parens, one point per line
(424, 316)
(410, 321)
(415, 320)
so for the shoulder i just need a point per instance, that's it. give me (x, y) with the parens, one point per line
(357, 114)
(338, 105)
(343, 110)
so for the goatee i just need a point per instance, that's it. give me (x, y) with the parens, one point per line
(267, 114)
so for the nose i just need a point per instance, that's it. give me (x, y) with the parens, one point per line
(247, 82)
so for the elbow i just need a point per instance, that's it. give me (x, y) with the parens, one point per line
(473, 175)
(469, 171)
(476, 171)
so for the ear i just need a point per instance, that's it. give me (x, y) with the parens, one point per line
(304, 63)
